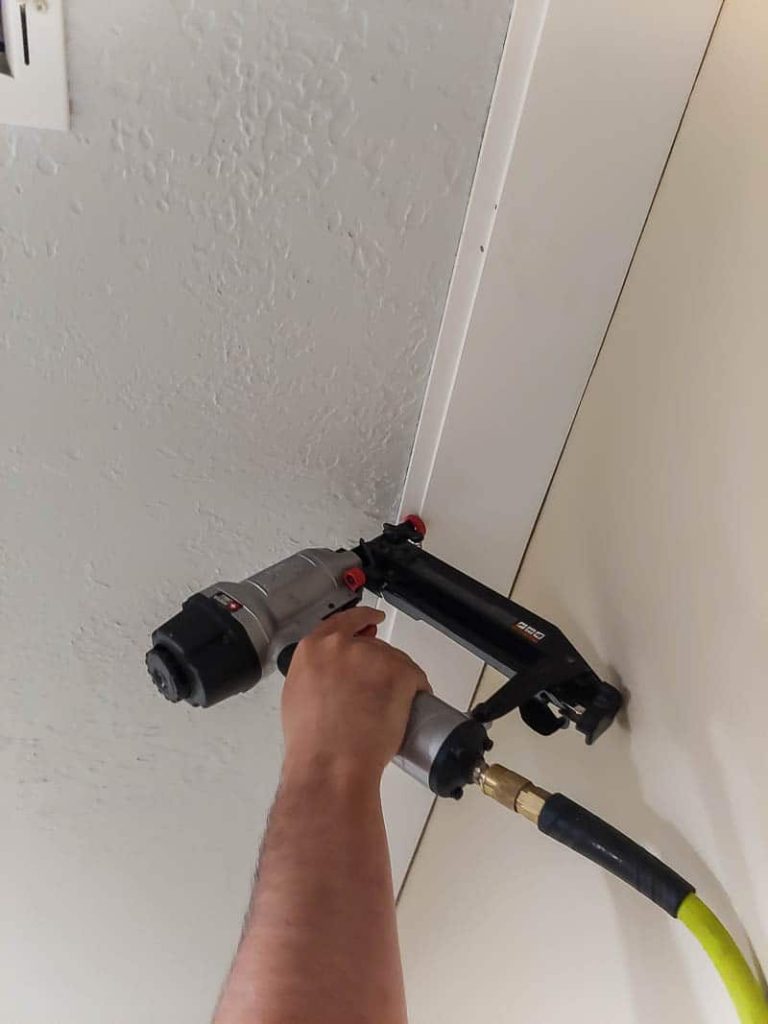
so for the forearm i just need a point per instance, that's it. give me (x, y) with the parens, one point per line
(320, 943)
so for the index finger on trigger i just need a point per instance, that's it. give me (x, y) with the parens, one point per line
(350, 622)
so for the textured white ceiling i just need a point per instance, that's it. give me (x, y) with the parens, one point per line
(219, 297)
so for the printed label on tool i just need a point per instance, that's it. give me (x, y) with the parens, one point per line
(528, 631)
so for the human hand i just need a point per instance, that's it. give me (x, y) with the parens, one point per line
(347, 697)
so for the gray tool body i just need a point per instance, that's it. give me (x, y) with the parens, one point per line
(281, 604)
(273, 610)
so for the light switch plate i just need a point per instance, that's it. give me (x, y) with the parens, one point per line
(33, 71)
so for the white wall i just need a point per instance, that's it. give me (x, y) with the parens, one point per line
(219, 297)
(652, 554)
(587, 102)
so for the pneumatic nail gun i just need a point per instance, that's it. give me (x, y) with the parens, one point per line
(230, 635)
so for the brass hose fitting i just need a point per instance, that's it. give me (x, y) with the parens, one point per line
(512, 790)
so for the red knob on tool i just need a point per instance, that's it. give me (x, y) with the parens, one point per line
(417, 523)
(353, 578)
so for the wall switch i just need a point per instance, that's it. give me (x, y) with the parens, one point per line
(33, 71)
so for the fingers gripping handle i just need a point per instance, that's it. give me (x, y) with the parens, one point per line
(441, 745)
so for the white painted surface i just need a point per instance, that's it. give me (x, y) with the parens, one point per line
(652, 554)
(219, 299)
(588, 100)
(33, 84)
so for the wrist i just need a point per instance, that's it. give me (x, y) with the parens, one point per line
(332, 774)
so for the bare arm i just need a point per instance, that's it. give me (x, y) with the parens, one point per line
(320, 942)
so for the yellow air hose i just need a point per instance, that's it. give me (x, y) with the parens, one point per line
(743, 987)
(584, 833)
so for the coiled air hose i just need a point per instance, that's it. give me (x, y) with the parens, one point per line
(580, 830)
